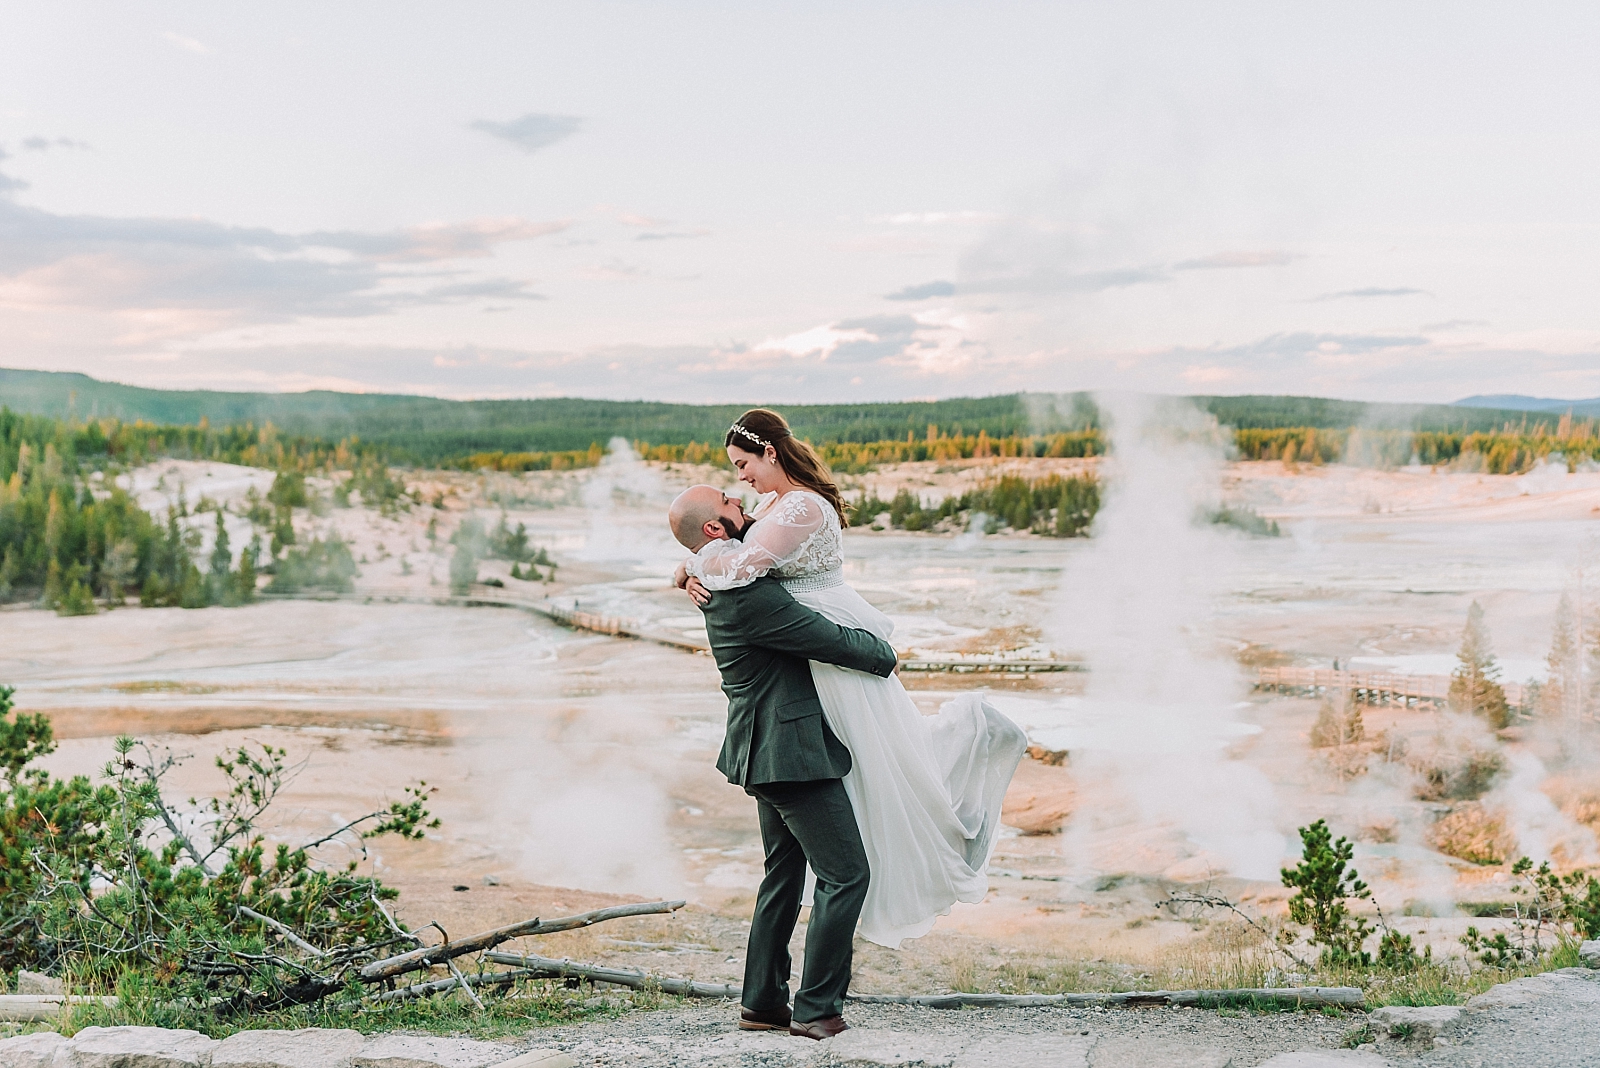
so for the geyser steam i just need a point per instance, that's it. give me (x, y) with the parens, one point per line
(1151, 736)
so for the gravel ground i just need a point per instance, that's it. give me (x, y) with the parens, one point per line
(1546, 1021)
(704, 1036)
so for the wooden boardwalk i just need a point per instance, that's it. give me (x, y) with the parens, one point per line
(1370, 687)
(570, 615)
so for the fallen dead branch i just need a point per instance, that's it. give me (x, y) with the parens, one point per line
(441, 986)
(1299, 997)
(418, 959)
(289, 935)
(546, 968)
(1296, 996)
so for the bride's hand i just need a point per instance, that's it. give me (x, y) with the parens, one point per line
(697, 593)
(681, 576)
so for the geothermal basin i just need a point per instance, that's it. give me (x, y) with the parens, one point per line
(569, 766)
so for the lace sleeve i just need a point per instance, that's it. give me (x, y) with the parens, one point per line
(773, 540)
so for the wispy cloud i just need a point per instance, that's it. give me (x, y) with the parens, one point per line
(218, 275)
(934, 218)
(613, 270)
(924, 291)
(472, 239)
(488, 288)
(672, 235)
(42, 144)
(1308, 343)
(532, 131)
(1371, 291)
(1037, 283)
(1223, 260)
(188, 44)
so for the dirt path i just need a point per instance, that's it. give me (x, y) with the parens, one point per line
(704, 1037)
(1547, 1021)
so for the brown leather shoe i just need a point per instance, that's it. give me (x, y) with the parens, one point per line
(826, 1027)
(763, 1019)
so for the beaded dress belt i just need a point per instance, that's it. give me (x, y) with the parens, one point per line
(807, 583)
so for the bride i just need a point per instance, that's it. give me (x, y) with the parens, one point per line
(926, 789)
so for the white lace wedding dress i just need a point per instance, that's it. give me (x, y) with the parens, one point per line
(926, 789)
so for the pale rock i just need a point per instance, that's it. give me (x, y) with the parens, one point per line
(38, 983)
(862, 1048)
(1515, 994)
(312, 1047)
(1415, 1023)
(137, 1047)
(37, 1050)
(541, 1058)
(1326, 1058)
(1589, 953)
(418, 1051)
(1056, 1051)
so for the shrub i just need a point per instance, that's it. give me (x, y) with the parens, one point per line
(1473, 833)
(107, 883)
(1456, 772)
(1247, 520)
(1334, 727)
(325, 565)
(1562, 908)
(1324, 881)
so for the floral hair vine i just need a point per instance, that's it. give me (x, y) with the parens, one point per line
(740, 430)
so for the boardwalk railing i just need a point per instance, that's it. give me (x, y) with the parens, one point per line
(570, 616)
(1370, 687)
(987, 665)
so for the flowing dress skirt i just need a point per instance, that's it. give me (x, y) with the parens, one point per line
(926, 789)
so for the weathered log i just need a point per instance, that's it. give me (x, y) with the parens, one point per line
(546, 968)
(417, 959)
(1298, 996)
(28, 1008)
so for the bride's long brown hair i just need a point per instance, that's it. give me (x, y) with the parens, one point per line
(798, 459)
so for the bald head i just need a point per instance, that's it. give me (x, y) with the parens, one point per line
(697, 516)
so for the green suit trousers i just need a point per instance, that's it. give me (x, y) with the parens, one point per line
(800, 822)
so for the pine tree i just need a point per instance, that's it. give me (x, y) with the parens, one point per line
(1586, 702)
(53, 587)
(221, 564)
(244, 581)
(1559, 694)
(1335, 728)
(1474, 685)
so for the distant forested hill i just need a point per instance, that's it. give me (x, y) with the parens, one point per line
(428, 429)
(1518, 402)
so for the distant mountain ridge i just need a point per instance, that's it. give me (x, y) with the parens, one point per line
(427, 429)
(1519, 403)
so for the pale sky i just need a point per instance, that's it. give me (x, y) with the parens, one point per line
(808, 202)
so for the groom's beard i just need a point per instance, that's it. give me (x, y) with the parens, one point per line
(737, 533)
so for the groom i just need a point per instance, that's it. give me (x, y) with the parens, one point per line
(779, 748)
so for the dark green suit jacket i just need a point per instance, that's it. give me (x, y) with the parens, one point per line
(763, 640)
